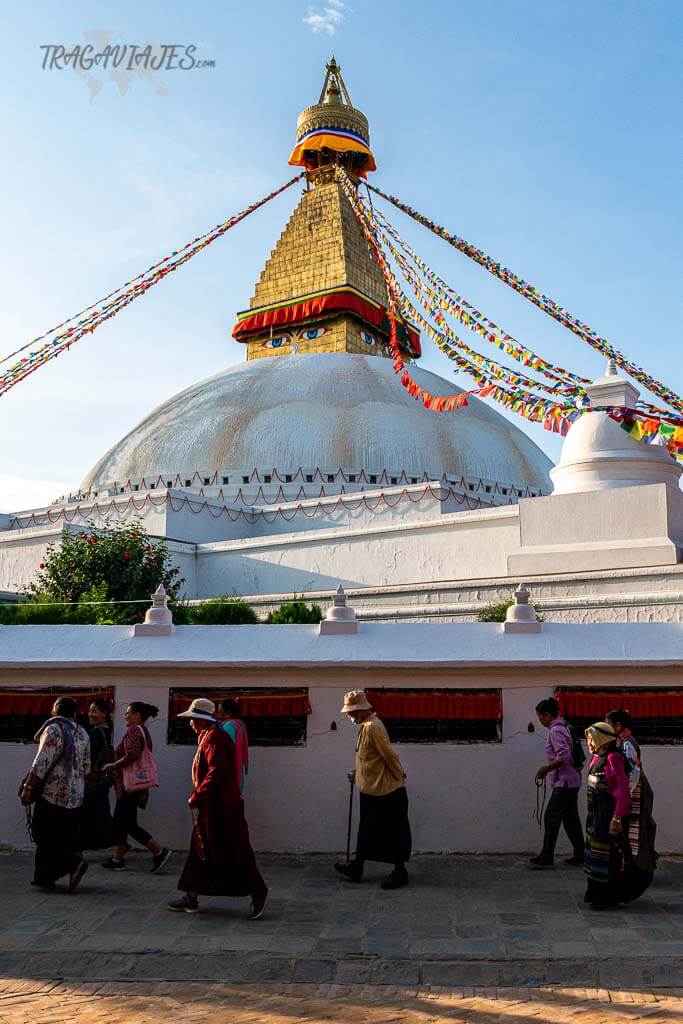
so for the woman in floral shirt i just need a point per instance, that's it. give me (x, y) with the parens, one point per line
(57, 779)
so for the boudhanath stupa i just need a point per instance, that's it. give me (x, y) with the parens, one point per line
(308, 464)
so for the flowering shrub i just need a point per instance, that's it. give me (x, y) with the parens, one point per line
(118, 562)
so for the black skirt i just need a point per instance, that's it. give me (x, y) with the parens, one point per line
(97, 827)
(384, 829)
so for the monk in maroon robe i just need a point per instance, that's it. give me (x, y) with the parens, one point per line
(221, 861)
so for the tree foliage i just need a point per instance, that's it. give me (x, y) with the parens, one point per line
(112, 563)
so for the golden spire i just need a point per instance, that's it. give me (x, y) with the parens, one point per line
(333, 131)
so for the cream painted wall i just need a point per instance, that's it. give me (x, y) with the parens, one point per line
(463, 797)
(469, 545)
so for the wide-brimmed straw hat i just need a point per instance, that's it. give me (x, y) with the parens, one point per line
(355, 700)
(200, 708)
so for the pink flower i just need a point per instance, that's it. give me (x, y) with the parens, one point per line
(126, 554)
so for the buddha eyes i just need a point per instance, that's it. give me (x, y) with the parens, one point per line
(278, 342)
(312, 333)
(281, 340)
(369, 339)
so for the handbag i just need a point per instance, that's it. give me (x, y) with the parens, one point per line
(141, 774)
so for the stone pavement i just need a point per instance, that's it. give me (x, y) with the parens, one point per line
(146, 1003)
(463, 921)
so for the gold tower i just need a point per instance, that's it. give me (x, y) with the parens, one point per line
(321, 289)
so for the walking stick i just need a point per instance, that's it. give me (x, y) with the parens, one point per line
(348, 830)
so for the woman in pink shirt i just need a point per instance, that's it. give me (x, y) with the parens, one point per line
(609, 807)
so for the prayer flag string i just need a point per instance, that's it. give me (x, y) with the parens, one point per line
(434, 302)
(442, 296)
(543, 302)
(91, 317)
(665, 430)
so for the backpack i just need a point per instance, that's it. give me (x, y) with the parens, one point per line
(578, 753)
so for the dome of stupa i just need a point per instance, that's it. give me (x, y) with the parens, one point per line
(597, 455)
(320, 411)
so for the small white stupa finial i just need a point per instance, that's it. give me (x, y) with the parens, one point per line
(611, 369)
(158, 619)
(521, 616)
(340, 618)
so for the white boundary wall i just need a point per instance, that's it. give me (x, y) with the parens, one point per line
(463, 797)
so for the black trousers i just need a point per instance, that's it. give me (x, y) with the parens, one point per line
(56, 835)
(562, 809)
(126, 821)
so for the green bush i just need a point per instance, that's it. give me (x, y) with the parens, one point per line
(219, 611)
(43, 611)
(117, 563)
(494, 612)
(41, 614)
(497, 612)
(295, 612)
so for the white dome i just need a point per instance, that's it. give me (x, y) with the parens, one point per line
(326, 411)
(598, 455)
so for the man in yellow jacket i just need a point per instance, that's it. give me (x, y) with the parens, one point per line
(383, 829)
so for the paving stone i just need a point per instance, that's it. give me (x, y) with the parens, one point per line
(271, 969)
(353, 972)
(234, 967)
(479, 947)
(621, 974)
(310, 969)
(667, 974)
(436, 947)
(475, 918)
(387, 945)
(339, 946)
(459, 972)
(522, 973)
(571, 973)
(395, 972)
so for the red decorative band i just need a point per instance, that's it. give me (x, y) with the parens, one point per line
(322, 305)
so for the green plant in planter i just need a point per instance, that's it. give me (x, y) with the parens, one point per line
(497, 612)
(292, 612)
(219, 611)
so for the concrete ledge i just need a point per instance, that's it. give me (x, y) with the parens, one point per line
(599, 555)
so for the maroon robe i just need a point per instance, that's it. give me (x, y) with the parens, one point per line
(221, 861)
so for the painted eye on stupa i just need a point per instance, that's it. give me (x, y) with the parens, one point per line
(277, 342)
(369, 339)
(312, 333)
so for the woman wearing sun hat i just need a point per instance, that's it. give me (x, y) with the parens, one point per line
(609, 806)
(383, 829)
(221, 861)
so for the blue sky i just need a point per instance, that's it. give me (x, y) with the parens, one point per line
(547, 134)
